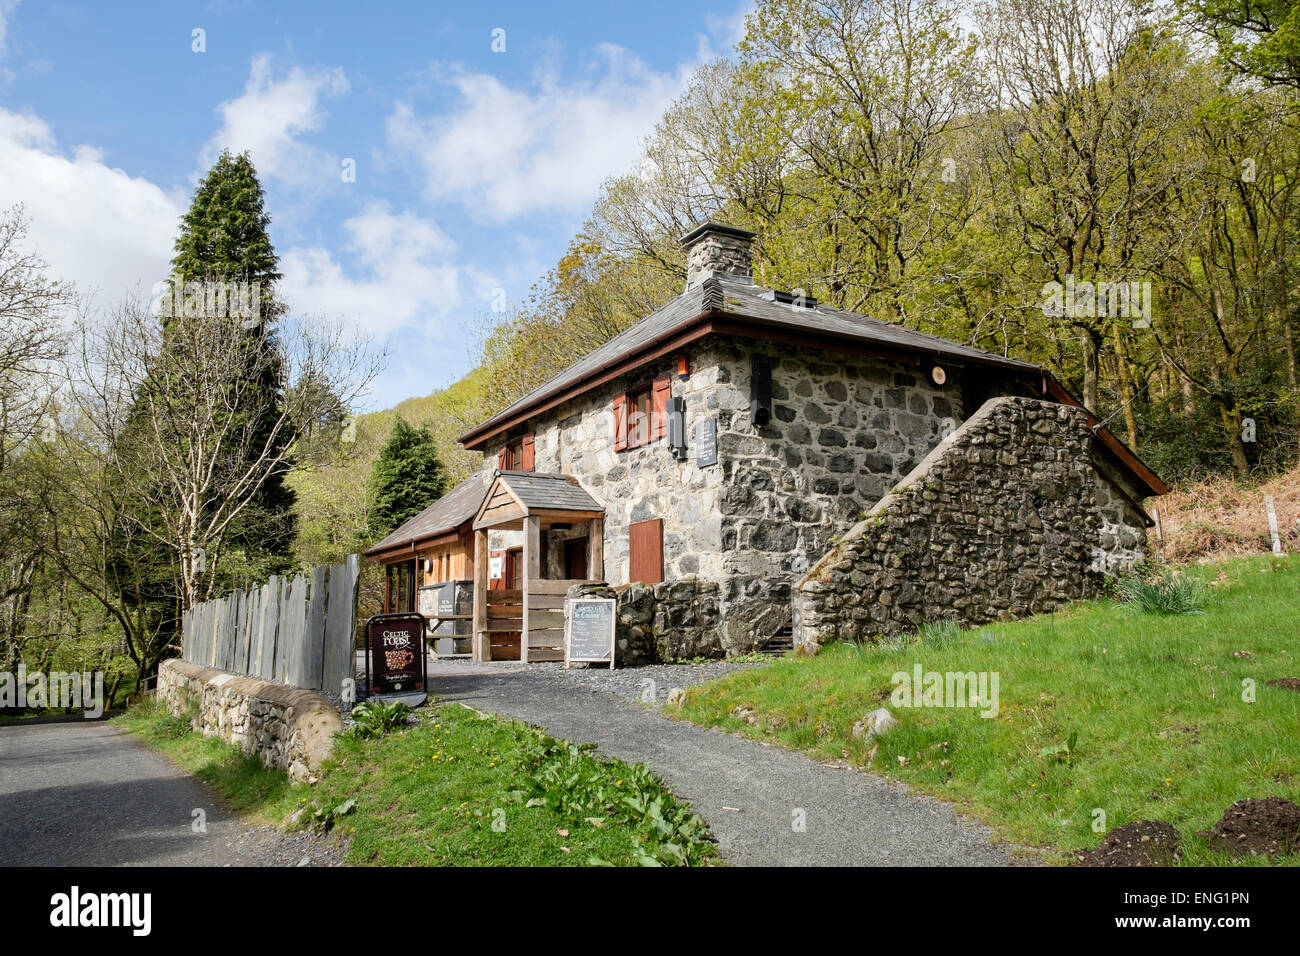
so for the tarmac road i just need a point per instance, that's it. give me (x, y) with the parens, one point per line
(83, 793)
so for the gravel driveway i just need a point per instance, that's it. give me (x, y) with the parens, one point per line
(767, 806)
(83, 793)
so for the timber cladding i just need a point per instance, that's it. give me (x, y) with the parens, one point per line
(646, 551)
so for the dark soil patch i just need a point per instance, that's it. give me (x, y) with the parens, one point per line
(1286, 683)
(1142, 843)
(1270, 826)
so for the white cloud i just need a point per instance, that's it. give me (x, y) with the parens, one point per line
(95, 225)
(399, 272)
(504, 152)
(269, 119)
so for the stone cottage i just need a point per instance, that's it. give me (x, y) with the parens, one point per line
(736, 437)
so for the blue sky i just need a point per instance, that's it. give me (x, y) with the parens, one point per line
(473, 167)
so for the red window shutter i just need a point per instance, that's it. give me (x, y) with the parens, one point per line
(663, 390)
(646, 551)
(620, 422)
(527, 454)
(503, 458)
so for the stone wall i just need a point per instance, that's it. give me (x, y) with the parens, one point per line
(1006, 517)
(843, 431)
(289, 729)
(640, 483)
(673, 620)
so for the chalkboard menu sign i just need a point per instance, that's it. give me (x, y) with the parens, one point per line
(589, 631)
(395, 653)
(706, 442)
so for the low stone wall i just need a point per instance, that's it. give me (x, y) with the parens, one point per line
(1008, 516)
(289, 729)
(662, 622)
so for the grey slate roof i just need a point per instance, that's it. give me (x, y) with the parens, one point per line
(446, 514)
(538, 490)
(740, 298)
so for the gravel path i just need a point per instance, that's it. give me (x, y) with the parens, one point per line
(752, 795)
(85, 794)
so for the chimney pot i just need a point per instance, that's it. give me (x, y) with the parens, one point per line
(716, 249)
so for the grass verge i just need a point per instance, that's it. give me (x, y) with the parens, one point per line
(1100, 708)
(456, 788)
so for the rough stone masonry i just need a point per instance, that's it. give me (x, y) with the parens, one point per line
(1011, 515)
(288, 728)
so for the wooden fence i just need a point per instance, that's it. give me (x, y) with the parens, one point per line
(297, 631)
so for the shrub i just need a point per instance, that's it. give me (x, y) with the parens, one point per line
(939, 634)
(377, 717)
(1166, 595)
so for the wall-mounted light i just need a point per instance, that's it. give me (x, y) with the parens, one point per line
(938, 375)
(683, 367)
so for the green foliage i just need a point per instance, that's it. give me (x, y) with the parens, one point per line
(447, 792)
(1062, 751)
(377, 717)
(323, 817)
(1170, 593)
(224, 237)
(570, 781)
(407, 478)
(1256, 38)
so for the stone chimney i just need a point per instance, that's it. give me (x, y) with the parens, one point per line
(715, 249)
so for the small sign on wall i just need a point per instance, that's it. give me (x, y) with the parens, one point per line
(497, 567)
(706, 442)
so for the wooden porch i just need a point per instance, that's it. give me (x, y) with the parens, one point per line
(527, 623)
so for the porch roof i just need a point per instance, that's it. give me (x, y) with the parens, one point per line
(514, 495)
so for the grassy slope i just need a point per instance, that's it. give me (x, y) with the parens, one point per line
(1156, 703)
(429, 795)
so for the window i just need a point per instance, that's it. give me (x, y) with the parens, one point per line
(641, 415)
(399, 587)
(518, 455)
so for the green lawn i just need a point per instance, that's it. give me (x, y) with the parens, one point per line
(458, 789)
(1154, 707)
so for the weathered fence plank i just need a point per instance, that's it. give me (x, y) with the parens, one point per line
(270, 629)
(296, 631)
(340, 627)
(313, 644)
